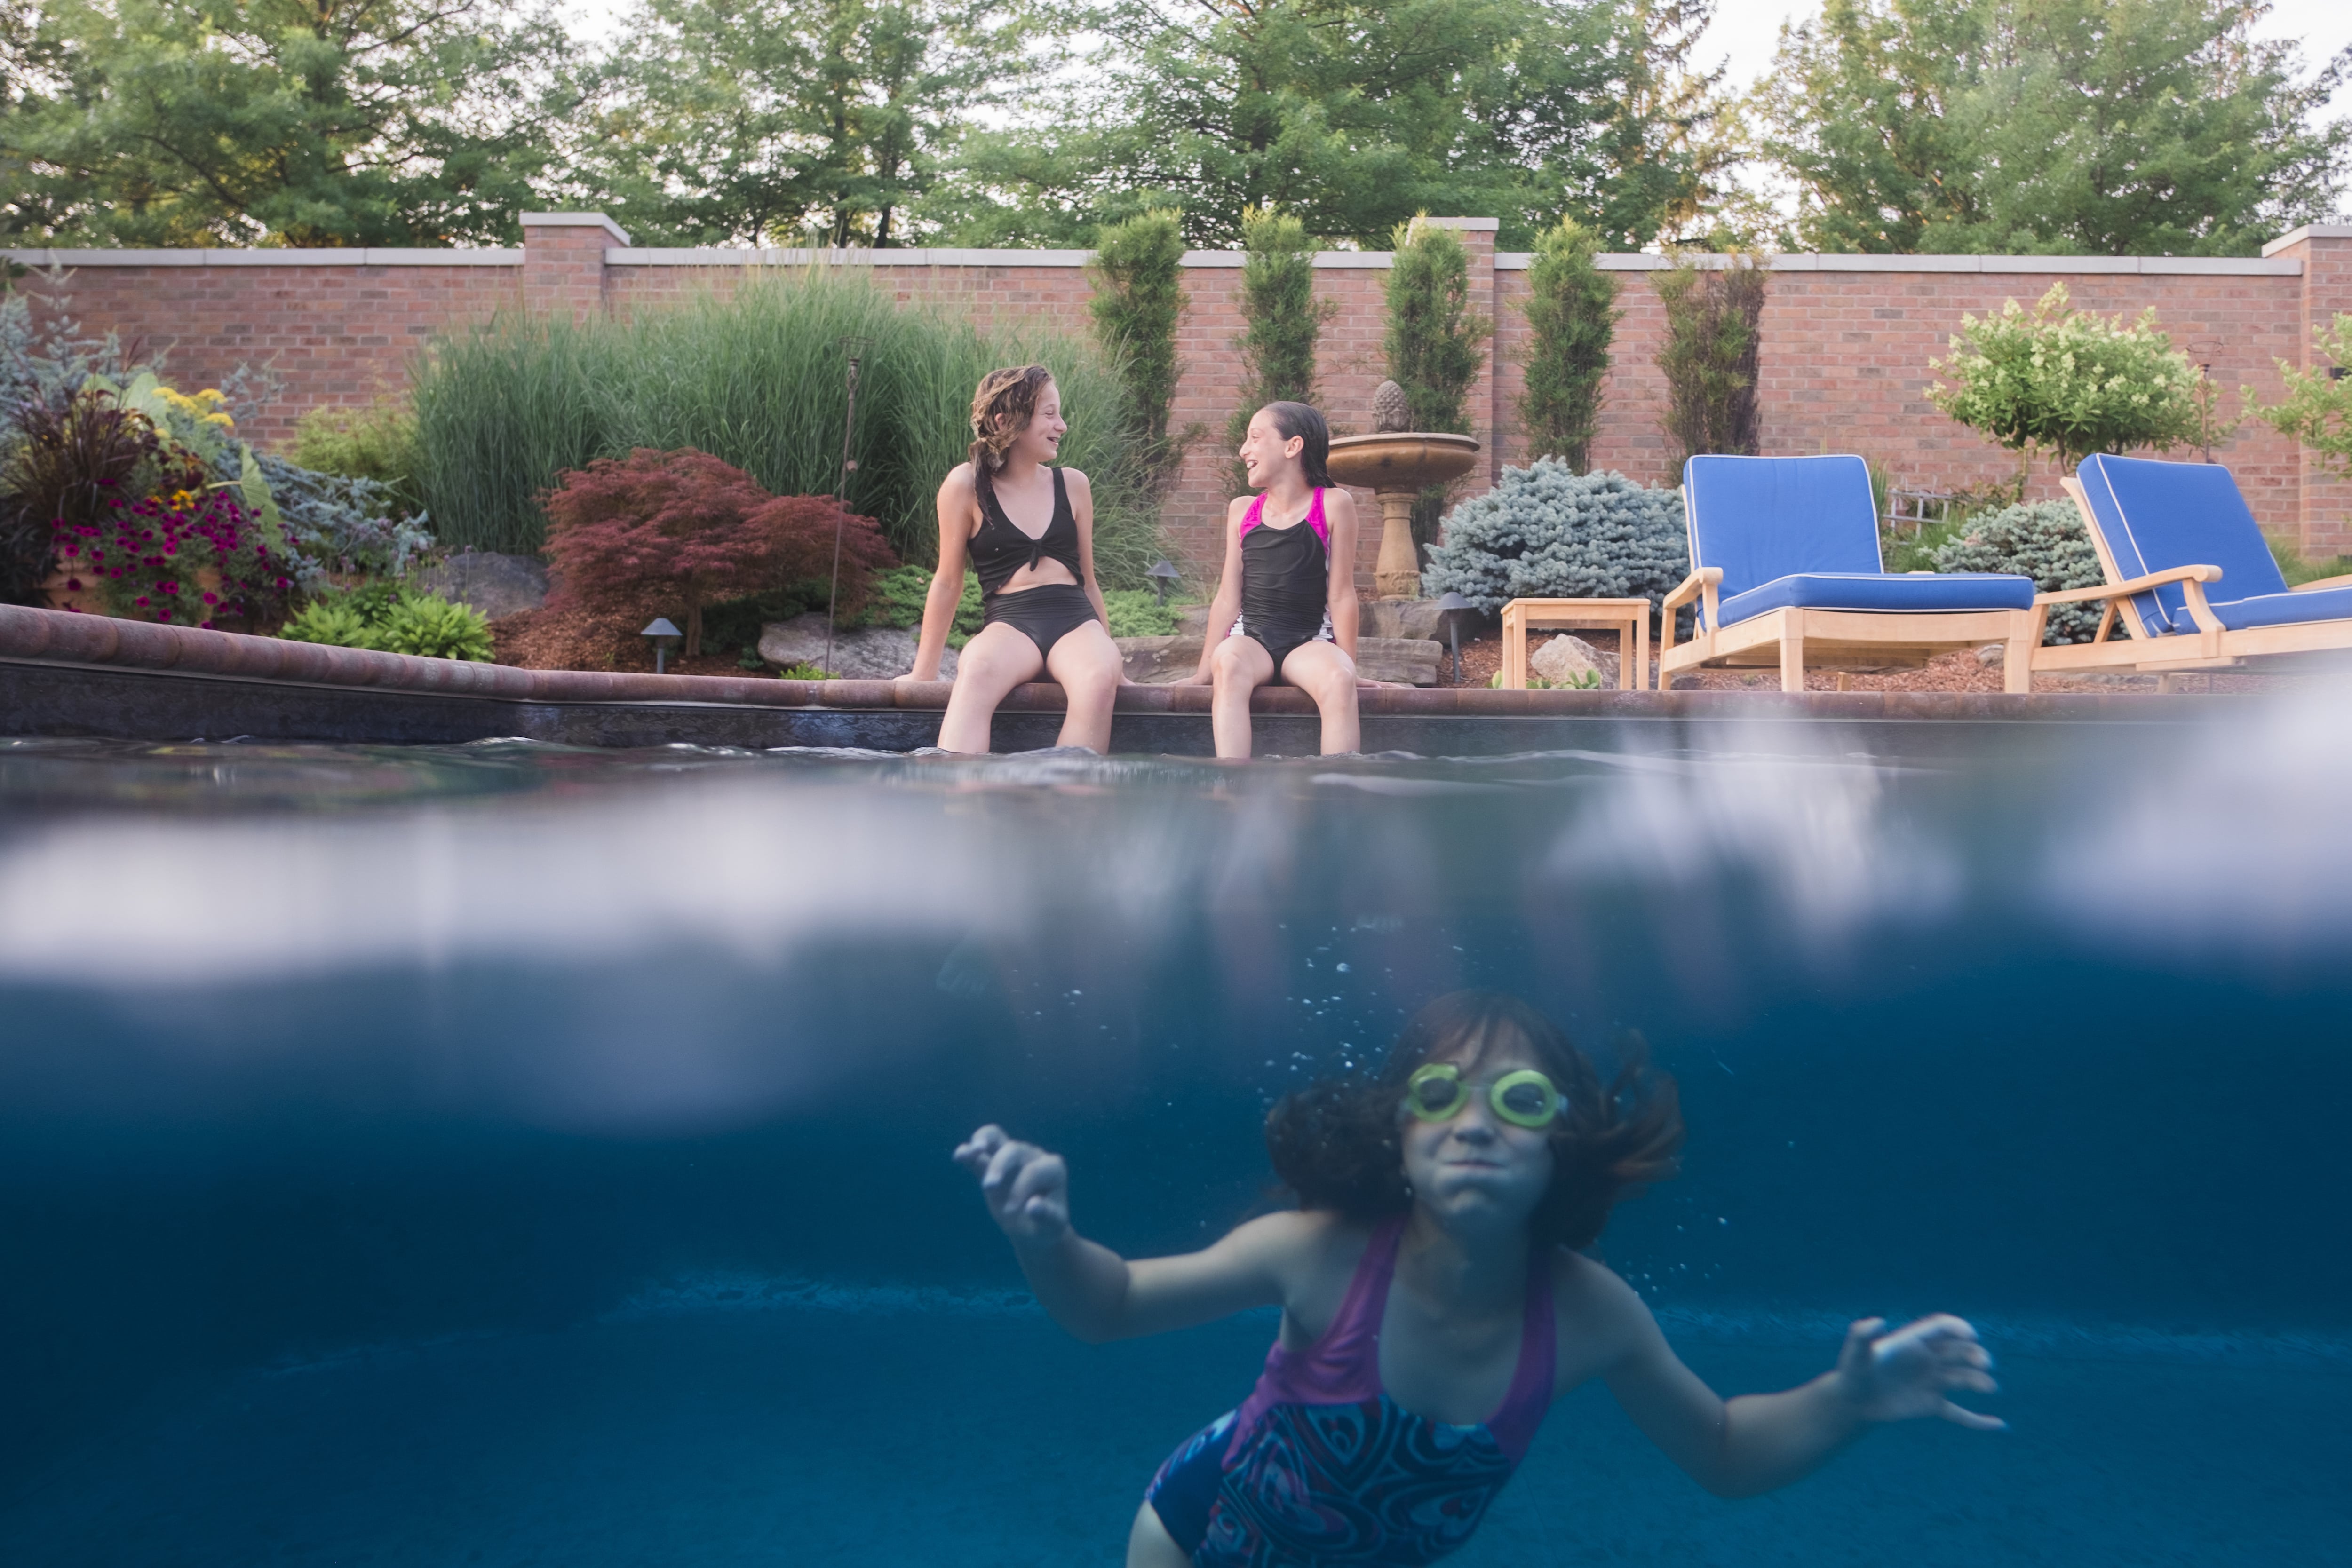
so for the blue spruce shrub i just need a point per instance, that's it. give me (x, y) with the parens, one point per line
(2044, 540)
(1547, 532)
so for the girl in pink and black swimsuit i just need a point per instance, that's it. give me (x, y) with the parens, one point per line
(1435, 1300)
(1285, 608)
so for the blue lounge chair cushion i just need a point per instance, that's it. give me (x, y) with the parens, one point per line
(2277, 608)
(1922, 594)
(1761, 518)
(2157, 515)
(1803, 532)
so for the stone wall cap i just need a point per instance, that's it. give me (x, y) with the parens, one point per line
(575, 221)
(1471, 225)
(341, 256)
(2308, 232)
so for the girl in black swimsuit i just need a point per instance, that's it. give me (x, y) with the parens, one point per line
(1028, 531)
(1290, 580)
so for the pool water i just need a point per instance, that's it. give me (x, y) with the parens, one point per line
(508, 1154)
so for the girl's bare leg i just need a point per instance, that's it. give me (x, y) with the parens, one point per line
(1086, 664)
(994, 661)
(1327, 675)
(1240, 665)
(1148, 1544)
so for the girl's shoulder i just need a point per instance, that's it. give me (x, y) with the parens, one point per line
(960, 481)
(1076, 479)
(1594, 1298)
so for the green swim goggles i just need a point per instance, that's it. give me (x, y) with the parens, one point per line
(1436, 1093)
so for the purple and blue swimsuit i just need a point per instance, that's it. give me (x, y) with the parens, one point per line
(1319, 1466)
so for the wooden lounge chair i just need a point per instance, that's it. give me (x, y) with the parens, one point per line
(1786, 570)
(2188, 576)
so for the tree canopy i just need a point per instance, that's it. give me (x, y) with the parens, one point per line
(299, 122)
(2060, 126)
(2052, 126)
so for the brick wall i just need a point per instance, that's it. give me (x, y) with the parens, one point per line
(1846, 339)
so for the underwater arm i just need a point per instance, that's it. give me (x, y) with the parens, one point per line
(1090, 1290)
(955, 501)
(1756, 1442)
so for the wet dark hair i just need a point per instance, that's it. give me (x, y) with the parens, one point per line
(1305, 422)
(1337, 1143)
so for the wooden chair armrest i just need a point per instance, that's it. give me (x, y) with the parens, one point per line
(2343, 582)
(1689, 588)
(2200, 574)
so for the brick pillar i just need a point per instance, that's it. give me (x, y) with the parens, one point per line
(564, 262)
(2324, 511)
(1477, 236)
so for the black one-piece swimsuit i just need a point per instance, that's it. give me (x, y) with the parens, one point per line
(1051, 610)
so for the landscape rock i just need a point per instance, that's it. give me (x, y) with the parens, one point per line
(867, 654)
(1993, 655)
(495, 585)
(1159, 660)
(1412, 618)
(1563, 659)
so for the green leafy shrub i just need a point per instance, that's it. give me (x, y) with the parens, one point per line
(755, 379)
(377, 443)
(2067, 382)
(804, 673)
(1138, 612)
(897, 600)
(394, 621)
(1137, 273)
(1713, 335)
(2044, 540)
(336, 622)
(1571, 321)
(433, 627)
(340, 527)
(1546, 532)
(2318, 408)
(2299, 567)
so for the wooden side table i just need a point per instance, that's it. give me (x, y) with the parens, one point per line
(1629, 618)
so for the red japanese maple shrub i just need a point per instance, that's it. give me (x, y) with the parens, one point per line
(659, 532)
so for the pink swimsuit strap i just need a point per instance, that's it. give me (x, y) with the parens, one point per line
(1343, 1367)
(1257, 515)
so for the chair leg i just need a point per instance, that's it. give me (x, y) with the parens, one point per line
(2017, 659)
(1793, 651)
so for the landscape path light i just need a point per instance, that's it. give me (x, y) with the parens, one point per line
(1164, 576)
(664, 634)
(1449, 609)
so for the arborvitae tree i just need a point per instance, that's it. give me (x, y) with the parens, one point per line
(1713, 334)
(1434, 342)
(1136, 271)
(1282, 319)
(1572, 316)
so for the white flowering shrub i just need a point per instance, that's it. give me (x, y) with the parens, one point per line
(1547, 532)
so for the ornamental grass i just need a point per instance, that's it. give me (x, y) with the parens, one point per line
(756, 378)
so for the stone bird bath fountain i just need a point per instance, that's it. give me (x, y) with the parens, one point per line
(1397, 465)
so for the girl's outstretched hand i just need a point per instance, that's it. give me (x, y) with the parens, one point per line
(1913, 1371)
(1027, 1190)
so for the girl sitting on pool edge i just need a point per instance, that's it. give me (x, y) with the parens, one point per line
(1284, 609)
(1026, 528)
(1434, 1304)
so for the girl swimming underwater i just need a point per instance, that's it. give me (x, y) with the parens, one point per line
(1290, 578)
(1027, 529)
(1434, 1304)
